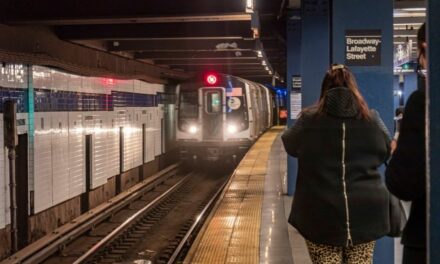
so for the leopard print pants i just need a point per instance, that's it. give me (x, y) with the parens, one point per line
(324, 254)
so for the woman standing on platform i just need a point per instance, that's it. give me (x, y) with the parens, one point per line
(341, 203)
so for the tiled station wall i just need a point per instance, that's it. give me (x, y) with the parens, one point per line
(67, 108)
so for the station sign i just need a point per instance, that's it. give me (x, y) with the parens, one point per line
(402, 53)
(295, 97)
(363, 47)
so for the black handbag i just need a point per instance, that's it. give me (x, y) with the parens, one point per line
(397, 217)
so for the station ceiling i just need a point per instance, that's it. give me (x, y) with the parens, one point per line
(169, 39)
(241, 37)
(409, 15)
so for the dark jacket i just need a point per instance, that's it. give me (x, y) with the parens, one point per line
(405, 174)
(340, 195)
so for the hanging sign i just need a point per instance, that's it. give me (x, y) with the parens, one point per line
(402, 53)
(363, 47)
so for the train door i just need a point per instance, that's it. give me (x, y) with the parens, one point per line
(213, 101)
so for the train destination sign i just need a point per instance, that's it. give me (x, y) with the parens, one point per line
(363, 47)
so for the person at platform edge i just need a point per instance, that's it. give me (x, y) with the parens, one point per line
(405, 175)
(341, 202)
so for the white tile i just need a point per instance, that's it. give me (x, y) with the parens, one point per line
(75, 83)
(157, 132)
(76, 154)
(95, 125)
(3, 174)
(60, 81)
(43, 162)
(86, 86)
(113, 145)
(137, 138)
(60, 157)
(129, 140)
(13, 76)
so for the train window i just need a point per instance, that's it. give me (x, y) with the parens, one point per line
(214, 102)
(188, 107)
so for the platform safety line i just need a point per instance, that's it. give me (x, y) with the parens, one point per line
(226, 245)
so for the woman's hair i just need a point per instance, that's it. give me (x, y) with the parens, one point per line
(340, 76)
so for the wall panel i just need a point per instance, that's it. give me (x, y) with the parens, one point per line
(157, 131)
(43, 162)
(94, 124)
(137, 137)
(113, 160)
(60, 157)
(129, 140)
(3, 174)
(149, 136)
(76, 151)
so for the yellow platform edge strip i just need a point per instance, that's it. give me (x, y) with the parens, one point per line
(232, 234)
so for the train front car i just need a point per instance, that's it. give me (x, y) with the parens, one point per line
(214, 119)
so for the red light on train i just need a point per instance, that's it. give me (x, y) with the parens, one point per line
(211, 79)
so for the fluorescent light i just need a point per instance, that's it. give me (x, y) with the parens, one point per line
(408, 14)
(414, 9)
(249, 6)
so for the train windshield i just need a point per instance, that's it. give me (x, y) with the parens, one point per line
(214, 104)
(236, 108)
(188, 107)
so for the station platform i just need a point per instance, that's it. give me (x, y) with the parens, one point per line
(249, 223)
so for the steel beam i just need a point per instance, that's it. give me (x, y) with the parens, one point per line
(409, 20)
(221, 68)
(196, 55)
(52, 10)
(183, 45)
(216, 63)
(409, 4)
(191, 30)
(41, 47)
(400, 33)
(133, 20)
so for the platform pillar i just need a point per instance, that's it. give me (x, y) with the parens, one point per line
(293, 71)
(354, 20)
(308, 56)
(433, 150)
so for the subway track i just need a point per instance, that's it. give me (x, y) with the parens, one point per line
(155, 228)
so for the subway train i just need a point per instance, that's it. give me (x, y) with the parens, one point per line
(219, 117)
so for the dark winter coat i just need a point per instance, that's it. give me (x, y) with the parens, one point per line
(405, 174)
(340, 197)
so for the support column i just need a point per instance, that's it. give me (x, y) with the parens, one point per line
(360, 19)
(308, 39)
(293, 70)
(433, 149)
(31, 135)
(315, 49)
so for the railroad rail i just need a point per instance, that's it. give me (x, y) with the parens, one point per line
(58, 239)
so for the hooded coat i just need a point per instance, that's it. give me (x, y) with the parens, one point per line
(340, 197)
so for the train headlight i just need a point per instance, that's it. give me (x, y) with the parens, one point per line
(193, 129)
(232, 128)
